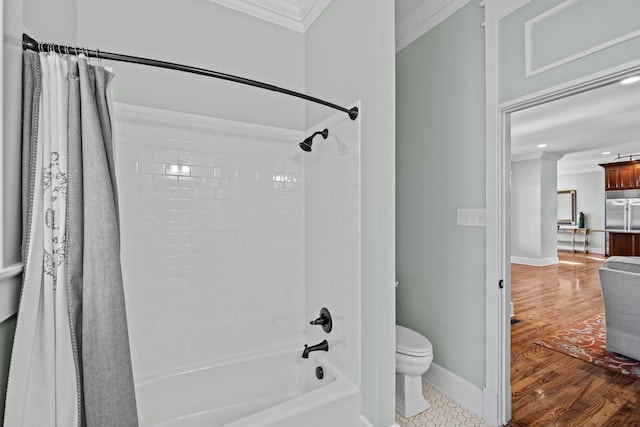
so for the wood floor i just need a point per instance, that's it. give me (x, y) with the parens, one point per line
(550, 388)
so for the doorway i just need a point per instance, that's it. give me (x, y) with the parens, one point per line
(582, 130)
(499, 243)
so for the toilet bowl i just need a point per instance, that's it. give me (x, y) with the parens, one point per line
(414, 354)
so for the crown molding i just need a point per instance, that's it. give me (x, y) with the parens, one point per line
(297, 15)
(423, 18)
(543, 155)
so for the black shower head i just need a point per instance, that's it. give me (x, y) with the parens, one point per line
(306, 144)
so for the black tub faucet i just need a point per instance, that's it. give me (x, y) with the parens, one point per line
(324, 346)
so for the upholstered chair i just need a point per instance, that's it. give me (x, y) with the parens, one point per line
(620, 283)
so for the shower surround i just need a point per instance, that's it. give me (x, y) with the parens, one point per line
(233, 238)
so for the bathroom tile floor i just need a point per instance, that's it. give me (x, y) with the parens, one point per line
(444, 411)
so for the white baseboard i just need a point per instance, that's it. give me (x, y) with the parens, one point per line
(459, 389)
(592, 250)
(490, 404)
(364, 422)
(536, 262)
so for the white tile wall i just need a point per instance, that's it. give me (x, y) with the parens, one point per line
(213, 232)
(332, 183)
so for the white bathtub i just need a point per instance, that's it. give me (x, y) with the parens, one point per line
(278, 389)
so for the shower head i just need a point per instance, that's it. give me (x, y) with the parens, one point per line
(306, 144)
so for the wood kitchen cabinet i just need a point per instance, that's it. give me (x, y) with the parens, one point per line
(622, 175)
(624, 244)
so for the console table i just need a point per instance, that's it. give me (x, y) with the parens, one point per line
(573, 231)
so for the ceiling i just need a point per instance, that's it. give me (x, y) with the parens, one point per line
(580, 128)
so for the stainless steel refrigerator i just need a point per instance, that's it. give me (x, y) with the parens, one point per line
(622, 211)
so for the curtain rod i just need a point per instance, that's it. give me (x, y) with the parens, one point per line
(28, 43)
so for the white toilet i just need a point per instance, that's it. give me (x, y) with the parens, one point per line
(414, 354)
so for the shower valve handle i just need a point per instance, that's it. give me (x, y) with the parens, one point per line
(324, 320)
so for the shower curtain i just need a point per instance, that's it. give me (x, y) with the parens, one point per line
(70, 364)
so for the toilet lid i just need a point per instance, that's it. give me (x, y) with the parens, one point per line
(411, 343)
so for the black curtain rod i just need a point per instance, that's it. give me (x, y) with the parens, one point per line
(29, 43)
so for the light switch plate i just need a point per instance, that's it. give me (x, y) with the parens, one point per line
(471, 217)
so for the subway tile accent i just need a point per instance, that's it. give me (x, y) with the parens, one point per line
(213, 237)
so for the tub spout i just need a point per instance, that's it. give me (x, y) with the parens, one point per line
(324, 346)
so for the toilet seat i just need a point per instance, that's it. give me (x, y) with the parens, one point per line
(411, 343)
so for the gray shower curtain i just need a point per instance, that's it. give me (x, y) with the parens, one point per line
(88, 259)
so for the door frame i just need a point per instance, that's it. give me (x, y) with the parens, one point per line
(497, 390)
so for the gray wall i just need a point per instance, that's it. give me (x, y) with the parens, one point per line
(589, 188)
(440, 103)
(206, 35)
(350, 57)
(440, 167)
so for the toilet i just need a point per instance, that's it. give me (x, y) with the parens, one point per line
(414, 354)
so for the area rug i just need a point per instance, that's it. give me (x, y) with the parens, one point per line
(585, 341)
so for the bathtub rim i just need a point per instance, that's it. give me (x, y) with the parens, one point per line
(242, 358)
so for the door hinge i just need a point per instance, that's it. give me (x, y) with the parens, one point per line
(501, 284)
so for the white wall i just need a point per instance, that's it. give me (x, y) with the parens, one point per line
(549, 213)
(568, 40)
(212, 217)
(525, 209)
(350, 56)
(332, 229)
(534, 212)
(202, 34)
(10, 155)
(347, 55)
(10, 148)
(52, 21)
(590, 199)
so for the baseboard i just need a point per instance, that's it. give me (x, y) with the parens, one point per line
(490, 406)
(592, 250)
(536, 262)
(459, 389)
(364, 422)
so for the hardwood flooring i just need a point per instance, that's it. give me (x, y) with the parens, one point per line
(554, 389)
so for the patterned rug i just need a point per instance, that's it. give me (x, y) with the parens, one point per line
(585, 341)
